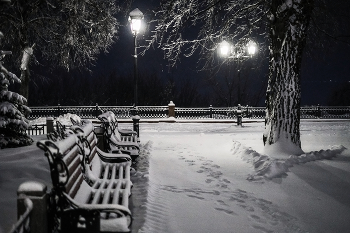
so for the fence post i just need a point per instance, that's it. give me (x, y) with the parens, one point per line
(319, 111)
(49, 125)
(239, 115)
(36, 192)
(58, 110)
(136, 124)
(171, 112)
(96, 110)
(211, 111)
(247, 114)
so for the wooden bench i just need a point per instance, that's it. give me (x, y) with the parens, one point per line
(90, 186)
(115, 139)
(110, 122)
(102, 167)
(60, 132)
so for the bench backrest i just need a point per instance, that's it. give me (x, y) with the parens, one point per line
(65, 160)
(109, 128)
(89, 142)
(89, 137)
(96, 160)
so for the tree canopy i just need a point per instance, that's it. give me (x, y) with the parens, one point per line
(68, 33)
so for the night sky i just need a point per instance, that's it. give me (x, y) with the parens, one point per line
(322, 71)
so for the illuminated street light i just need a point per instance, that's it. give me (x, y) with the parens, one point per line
(237, 53)
(135, 20)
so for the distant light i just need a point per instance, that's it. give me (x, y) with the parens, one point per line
(224, 48)
(252, 48)
(135, 20)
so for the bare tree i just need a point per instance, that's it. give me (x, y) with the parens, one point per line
(68, 33)
(185, 27)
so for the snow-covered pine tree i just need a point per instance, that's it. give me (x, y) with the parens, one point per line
(13, 110)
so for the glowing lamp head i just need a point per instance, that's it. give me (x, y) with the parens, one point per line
(135, 20)
(224, 49)
(252, 48)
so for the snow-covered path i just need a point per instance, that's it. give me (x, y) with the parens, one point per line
(197, 184)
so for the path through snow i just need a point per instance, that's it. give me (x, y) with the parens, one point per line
(198, 185)
(198, 182)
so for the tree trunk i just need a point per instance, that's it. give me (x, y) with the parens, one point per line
(289, 22)
(25, 74)
(24, 88)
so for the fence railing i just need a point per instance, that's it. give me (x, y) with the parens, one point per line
(218, 112)
(124, 112)
(94, 111)
(149, 112)
(37, 129)
(23, 223)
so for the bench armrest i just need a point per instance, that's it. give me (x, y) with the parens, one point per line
(127, 132)
(133, 145)
(121, 151)
(112, 158)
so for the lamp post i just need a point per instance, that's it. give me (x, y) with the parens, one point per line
(135, 20)
(238, 53)
(229, 51)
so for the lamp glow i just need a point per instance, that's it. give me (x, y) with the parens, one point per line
(135, 20)
(225, 48)
(252, 48)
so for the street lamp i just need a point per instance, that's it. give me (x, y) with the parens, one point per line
(251, 48)
(226, 50)
(135, 20)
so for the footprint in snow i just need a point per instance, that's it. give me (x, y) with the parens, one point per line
(208, 181)
(197, 197)
(262, 229)
(227, 211)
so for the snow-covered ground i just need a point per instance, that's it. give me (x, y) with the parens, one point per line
(200, 177)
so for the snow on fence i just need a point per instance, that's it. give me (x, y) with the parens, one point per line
(147, 112)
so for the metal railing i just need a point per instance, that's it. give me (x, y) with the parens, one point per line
(124, 112)
(218, 113)
(23, 223)
(37, 129)
(94, 111)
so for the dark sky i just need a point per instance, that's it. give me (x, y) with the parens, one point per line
(321, 76)
(321, 72)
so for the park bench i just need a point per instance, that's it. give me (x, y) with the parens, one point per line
(59, 133)
(110, 122)
(102, 167)
(91, 187)
(116, 139)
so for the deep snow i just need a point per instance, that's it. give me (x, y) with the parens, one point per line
(200, 177)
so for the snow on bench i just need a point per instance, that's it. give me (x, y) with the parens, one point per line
(116, 139)
(89, 184)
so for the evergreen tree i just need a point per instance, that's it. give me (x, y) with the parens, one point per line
(13, 110)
